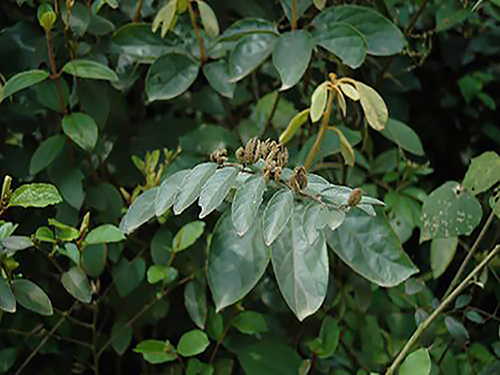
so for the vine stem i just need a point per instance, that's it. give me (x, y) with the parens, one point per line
(294, 15)
(322, 130)
(424, 325)
(201, 44)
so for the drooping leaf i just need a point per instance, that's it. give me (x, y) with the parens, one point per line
(156, 352)
(82, 129)
(121, 335)
(195, 301)
(68, 180)
(7, 299)
(318, 101)
(295, 123)
(246, 203)
(170, 76)
(276, 215)
(417, 363)
(404, 136)
(77, 284)
(215, 189)
(46, 153)
(269, 358)
(326, 343)
(192, 185)
(192, 343)
(449, 211)
(168, 191)
(376, 112)
(235, 264)
(346, 149)
(250, 323)
(208, 19)
(90, 69)
(456, 329)
(371, 248)
(23, 80)
(291, 56)
(105, 233)
(140, 211)
(35, 195)
(187, 235)
(483, 172)
(442, 253)
(32, 297)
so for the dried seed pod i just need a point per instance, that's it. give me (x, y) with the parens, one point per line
(252, 151)
(298, 181)
(355, 197)
(272, 171)
(219, 156)
(240, 155)
(283, 157)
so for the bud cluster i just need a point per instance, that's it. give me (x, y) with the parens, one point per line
(298, 181)
(219, 156)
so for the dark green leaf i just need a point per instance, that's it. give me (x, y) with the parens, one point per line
(276, 215)
(128, 275)
(71, 251)
(14, 243)
(32, 297)
(161, 246)
(483, 172)
(248, 26)
(192, 343)
(48, 93)
(218, 77)
(192, 185)
(64, 232)
(302, 6)
(326, 343)
(250, 322)
(269, 358)
(104, 234)
(79, 19)
(82, 129)
(442, 253)
(90, 69)
(46, 153)
(35, 195)
(7, 299)
(140, 211)
(195, 301)
(68, 180)
(7, 359)
(246, 204)
(474, 316)
(155, 352)
(121, 335)
(23, 80)
(215, 189)
(456, 329)
(77, 284)
(94, 259)
(404, 136)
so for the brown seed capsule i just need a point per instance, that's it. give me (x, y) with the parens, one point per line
(355, 197)
(298, 181)
(283, 157)
(252, 151)
(219, 156)
(240, 155)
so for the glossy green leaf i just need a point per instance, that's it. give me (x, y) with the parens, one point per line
(79, 19)
(456, 329)
(246, 203)
(248, 26)
(301, 268)
(276, 215)
(417, 363)
(319, 4)
(195, 301)
(105, 233)
(318, 101)
(161, 246)
(249, 53)
(216, 189)
(442, 252)
(7, 299)
(46, 153)
(32, 297)
(170, 76)
(208, 19)
(371, 248)
(121, 336)
(235, 264)
(90, 69)
(475, 317)
(77, 284)
(35, 195)
(157, 273)
(192, 343)
(192, 185)
(140, 211)
(94, 259)
(250, 322)
(217, 75)
(404, 136)
(269, 358)
(376, 112)
(326, 343)
(291, 56)
(64, 232)
(82, 129)
(168, 191)
(187, 235)
(24, 80)
(156, 352)
(483, 173)
(68, 180)
(128, 275)
(302, 6)
(449, 211)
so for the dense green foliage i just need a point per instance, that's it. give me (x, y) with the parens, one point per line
(249, 187)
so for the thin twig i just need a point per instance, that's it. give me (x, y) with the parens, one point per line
(294, 15)
(201, 44)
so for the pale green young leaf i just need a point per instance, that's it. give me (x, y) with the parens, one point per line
(320, 4)
(483, 172)
(318, 101)
(90, 69)
(164, 17)
(349, 90)
(376, 112)
(208, 19)
(346, 149)
(156, 352)
(192, 343)
(105, 233)
(417, 363)
(276, 215)
(295, 123)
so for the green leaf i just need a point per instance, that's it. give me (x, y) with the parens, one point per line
(105, 233)
(442, 253)
(35, 195)
(246, 203)
(483, 173)
(344, 41)
(217, 75)
(449, 211)
(7, 358)
(77, 284)
(90, 69)
(456, 329)
(164, 17)
(404, 136)
(248, 26)
(156, 352)
(318, 101)
(371, 248)
(192, 343)
(475, 317)
(94, 259)
(168, 191)
(376, 112)
(235, 264)
(121, 335)
(291, 56)
(13, 244)
(383, 38)
(346, 149)
(46, 16)
(23, 80)
(7, 299)
(192, 185)
(161, 246)
(319, 4)
(170, 76)
(71, 251)
(32, 297)
(301, 268)
(295, 123)
(195, 301)
(208, 19)
(128, 275)
(46, 153)
(250, 323)
(216, 189)
(417, 363)
(68, 180)
(188, 235)
(64, 232)
(269, 358)
(158, 272)
(276, 215)
(249, 53)
(82, 129)
(79, 19)
(326, 343)
(140, 211)
(302, 6)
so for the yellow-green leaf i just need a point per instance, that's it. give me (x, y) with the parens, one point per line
(320, 4)
(164, 17)
(295, 123)
(209, 19)
(346, 149)
(342, 103)
(349, 90)
(318, 101)
(376, 112)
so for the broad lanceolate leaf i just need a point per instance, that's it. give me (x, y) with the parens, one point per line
(291, 56)
(382, 36)
(23, 80)
(90, 69)
(77, 284)
(376, 112)
(449, 211)
(295, 123)
(82, 129)
(35, 195)
(235, 264)
(318, 101)
(216, 188)
(483, 173)
(32, 297)
(346, 149)
(248, 26)
(417, 363)
(10, 245)
(349, 90)
(139, 212)
(276, 215)
(7, 299)
(192, 185)
(208, 19)
(404, 136)
(187, 235)
(217, 75)
(170, 76)
(105, 233)
(168, 192)
(46, 153)
(249, 52)
(192, 343)
(442, 253)
(195, 301)
(371, 248)
(246, 204)
(301, 268)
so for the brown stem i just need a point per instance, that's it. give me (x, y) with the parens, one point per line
(138, 11)
(321, 133)
(55, 74)
(294, 15)
(201, 44)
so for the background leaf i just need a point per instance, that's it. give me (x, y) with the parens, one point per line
(404, 136)
(46, 153)
(483, 172)
(32, 297)
(23, 80)
(187, 235)
(7, 299)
